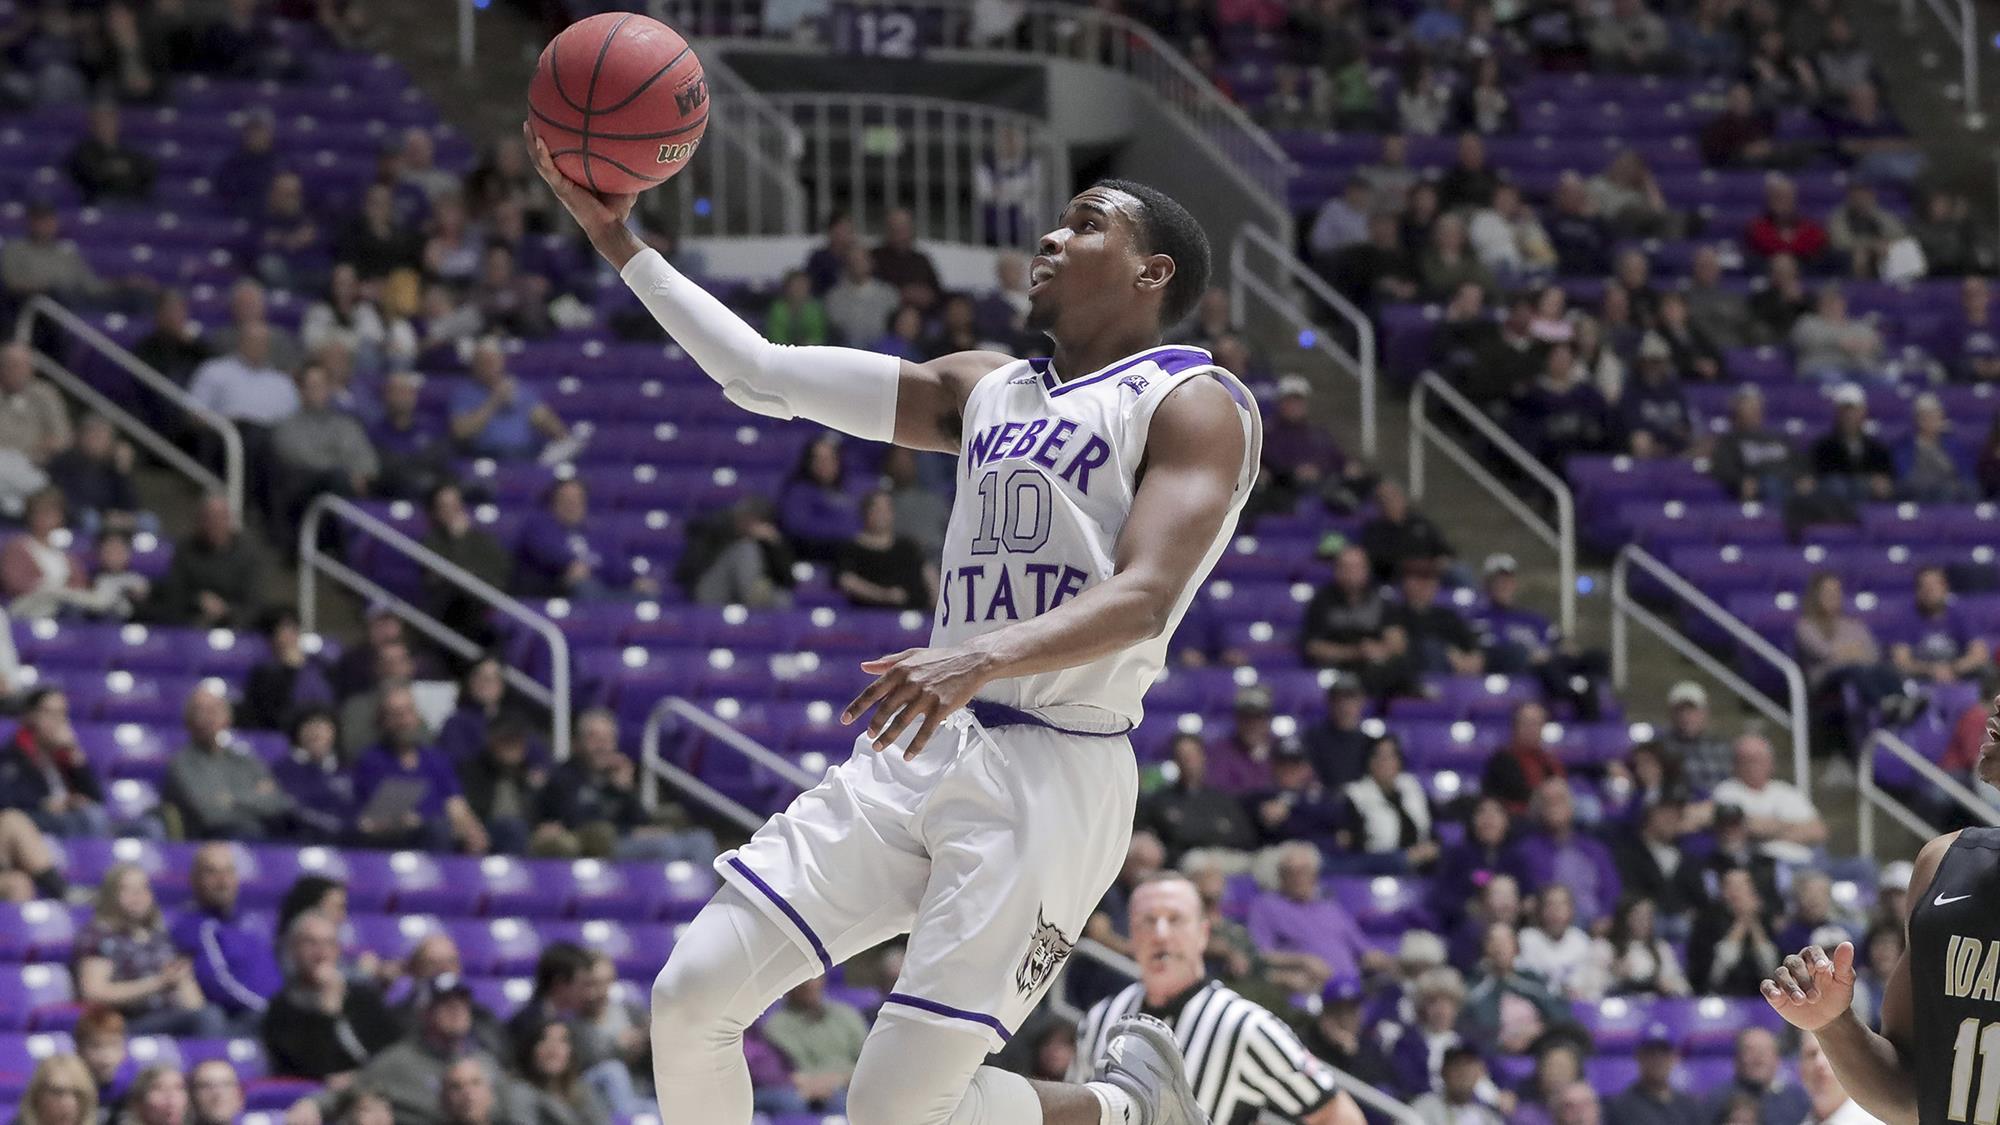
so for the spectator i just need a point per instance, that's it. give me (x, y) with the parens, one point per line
(1742, 135)
(1296, 917)
(1759, 1077)
(878, 567)
(1653, 1098)
(1389, 810)
(591, 805)
(360, 667)
(1630, 38)
(322, 1026)
(1689, 349)
(1653, 867)
(1295, 804)
(1627, 197)
(1831, 346)
(1838, 649)
(1945, 233)
(1813, 918)
(797, 316)
(1557, 950)
(1005, 184)
(1398, 535)
(1862, 232)
(1441, 641)
(556, 557)
(1783, 79)
(1484, 106)
(859, 304)
(1782, 302)
(1456, 1099)
(175, 346)
(27, 866)
(739, 557)
(377, 242)
(421, 803)
(95, 476)
(1189, 813)
(1929, 463)
(1378, 270)
(61, 1091)
(453, 251)
(436, 955)
(826, 263)
(104, 168)
(1437, 997)
(1561, 413)
(1633, 959)
(1111, 922)
(816, 510)
(503, 785)
(459, 541)
(1506, 1005)
(483, 703)
(1475, 862)
(285, 242)
(414, 456)
(1871, 140)
(44, 773)
(46, 265)
(1423, 100)
(821, 1039)
(1558, 1066)
(1555, 850)
(289, 680)
(1941, 648)
(246, 386)
(1448, 262)
(233, 960)
(410, 1073)
(1241, 762)
(215, 1093)
(1581, 237)
(417, 166)
(101, 1040)
(617, 1023)
(37, 574)
(125, 961)
(1509, 239)
(1780, 228)
(1731, 943)
(1753, 461)
(1291, 102)
(1350, 626)
(1781, 818)
(247, 172)
(33, 420)
(494, 416)
(1339, 1037)
(545, 1058)
(1849, 463)
(1342, 222)
(249, 308)
(1340, 751)
(899, 262)
(904, 337)
(1517, 769)
(158, 1097)
(319, 448)
(1653, 413)
(1717, 312)
(220, 787)
(921, 510)
(313, 775)
(1705, 758)
(347, 315)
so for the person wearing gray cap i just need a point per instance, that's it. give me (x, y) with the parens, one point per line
(1653, 413)
(1301, 457)
(1753, 461)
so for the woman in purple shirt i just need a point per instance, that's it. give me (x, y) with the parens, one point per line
(816, 510)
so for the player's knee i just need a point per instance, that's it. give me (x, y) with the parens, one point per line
(877, 1098)
(688, 1002)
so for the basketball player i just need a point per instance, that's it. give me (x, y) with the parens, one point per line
(1937, 1058)
(989, 803)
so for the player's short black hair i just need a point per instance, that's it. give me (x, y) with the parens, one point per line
(1168, 229)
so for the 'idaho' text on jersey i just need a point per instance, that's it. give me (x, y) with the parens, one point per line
(1046, 479)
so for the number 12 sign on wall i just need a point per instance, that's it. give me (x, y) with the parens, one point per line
(883, 31)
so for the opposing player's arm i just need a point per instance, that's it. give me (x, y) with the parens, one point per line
(1194, 455)
(1815, 992)
(865, 394)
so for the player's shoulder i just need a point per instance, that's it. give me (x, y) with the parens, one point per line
(1933, 853)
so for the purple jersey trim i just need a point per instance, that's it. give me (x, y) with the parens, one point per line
(935, 1008)
(797, 919)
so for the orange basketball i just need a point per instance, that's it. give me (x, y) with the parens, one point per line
(620, 100)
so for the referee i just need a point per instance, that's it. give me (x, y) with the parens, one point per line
(1241, 1059)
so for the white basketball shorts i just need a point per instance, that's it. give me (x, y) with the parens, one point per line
(990, 850)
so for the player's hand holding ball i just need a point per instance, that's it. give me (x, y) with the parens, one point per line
(1811, 989)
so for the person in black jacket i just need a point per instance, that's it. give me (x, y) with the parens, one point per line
(1732, 944)
(1850, 463)
(288, 682)
(591, 805)
(1652, 864)
(104, 167)
(44, 774)
(321, 1025)
(502, 786)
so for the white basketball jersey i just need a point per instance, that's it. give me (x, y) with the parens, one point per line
(1046, 477)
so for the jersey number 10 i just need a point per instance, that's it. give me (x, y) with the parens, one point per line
(1015, 511)
(1980, 1041)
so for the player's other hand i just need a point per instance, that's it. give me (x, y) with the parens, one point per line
(917, 686)
(1811, 989)
(593, 209)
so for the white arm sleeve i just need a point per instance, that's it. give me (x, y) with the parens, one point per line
(849, 390)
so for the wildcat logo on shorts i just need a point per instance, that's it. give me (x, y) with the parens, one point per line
(1047, 950)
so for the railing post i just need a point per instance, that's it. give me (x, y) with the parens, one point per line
(1621, 570)
(309, 568)
(465, 34)
(1566, 559)
(1419, 398)
(1864, 787)
(1968, 47)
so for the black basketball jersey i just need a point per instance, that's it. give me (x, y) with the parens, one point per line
(1955, 978)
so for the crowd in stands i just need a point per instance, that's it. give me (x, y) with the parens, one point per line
(1678, 867)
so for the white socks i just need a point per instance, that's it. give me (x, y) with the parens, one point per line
(1118, 1108)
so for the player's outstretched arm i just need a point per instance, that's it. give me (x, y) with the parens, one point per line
(1814, 991)
(1194, 455)
(865, 394)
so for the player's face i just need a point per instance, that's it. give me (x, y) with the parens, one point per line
(1169, 933)
(1088, 263)
(1989, 750)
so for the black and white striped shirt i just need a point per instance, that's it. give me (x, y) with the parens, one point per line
(1241, 1059)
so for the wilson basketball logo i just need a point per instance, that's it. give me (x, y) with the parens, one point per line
(675, 153)
(688, 100)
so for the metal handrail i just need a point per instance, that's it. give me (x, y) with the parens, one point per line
(1054, 30)
(229, 484)
(769, 144)
(312, 562)
(1624, 607)
(1561, 536)
(655, 767)
(880, 181)
(1963, 26)
(1360, 364)
(1874, 797)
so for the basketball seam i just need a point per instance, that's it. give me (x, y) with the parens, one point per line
(590, 95)
(647, 84)
(555, 79)
(608, 160)
(689, 127)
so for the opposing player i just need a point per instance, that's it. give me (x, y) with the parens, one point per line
(1937, 1059)
(989, 803)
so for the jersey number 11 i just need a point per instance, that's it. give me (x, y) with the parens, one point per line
(1980, 1041)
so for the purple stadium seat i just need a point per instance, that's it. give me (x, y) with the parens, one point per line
(39, 930)
(390, 936)
(496, 946)
(37, 997)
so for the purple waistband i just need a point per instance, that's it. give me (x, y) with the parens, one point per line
(991, 714)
